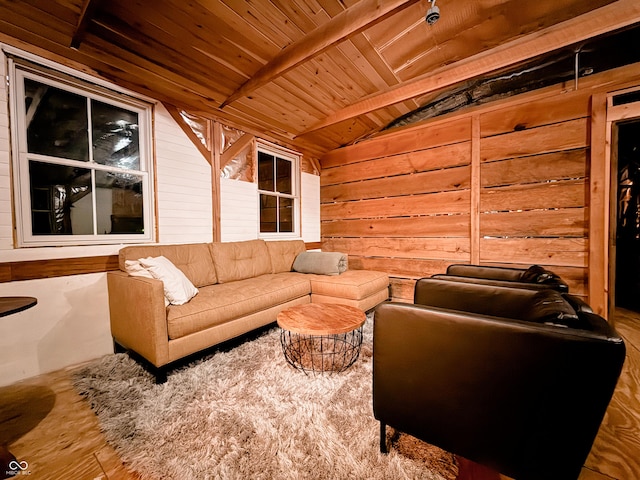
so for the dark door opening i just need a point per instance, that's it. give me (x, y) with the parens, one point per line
(627, 275)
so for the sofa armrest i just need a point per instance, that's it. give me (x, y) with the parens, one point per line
(138, 315)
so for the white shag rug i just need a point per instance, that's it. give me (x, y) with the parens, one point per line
(247, 414)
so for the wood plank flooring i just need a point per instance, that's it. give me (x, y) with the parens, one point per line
(46, 424)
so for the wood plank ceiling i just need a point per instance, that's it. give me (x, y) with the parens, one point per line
(310, 74)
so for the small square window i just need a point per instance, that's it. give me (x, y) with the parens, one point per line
(278, 197)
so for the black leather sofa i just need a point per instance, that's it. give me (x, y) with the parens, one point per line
(515, 379)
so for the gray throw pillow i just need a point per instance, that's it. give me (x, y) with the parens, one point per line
(322, 263)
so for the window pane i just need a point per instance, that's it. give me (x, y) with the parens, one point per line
(56, 122)
(285, 209)
(268, 213)
(61, 200)
(115, 136)
(283, 170)
(119, 203)
(265, 172)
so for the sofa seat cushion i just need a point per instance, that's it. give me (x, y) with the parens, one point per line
(352, 284)
(216, 304)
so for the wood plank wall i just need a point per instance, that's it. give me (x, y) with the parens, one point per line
(497, 186)
(400, 204)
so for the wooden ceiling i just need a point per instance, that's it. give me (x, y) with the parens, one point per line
(311, 74)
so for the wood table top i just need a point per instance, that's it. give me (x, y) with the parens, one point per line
(9, 305)
(321, 319)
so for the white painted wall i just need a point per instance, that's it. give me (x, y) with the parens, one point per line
(238, 210)
(310, 207)
(6, 236)
(183, 186)
(70, 323)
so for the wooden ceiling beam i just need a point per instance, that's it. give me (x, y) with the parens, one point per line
(186, 128)
(237, 147)
(349, 22)
(619, 14)
(86, 15)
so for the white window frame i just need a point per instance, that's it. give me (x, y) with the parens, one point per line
(294, 158)
(20, 69)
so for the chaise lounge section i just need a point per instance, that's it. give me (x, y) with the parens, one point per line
(241, 286)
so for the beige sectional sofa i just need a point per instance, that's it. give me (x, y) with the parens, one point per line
(241, 286)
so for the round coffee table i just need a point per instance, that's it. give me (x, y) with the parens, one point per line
(321, 337)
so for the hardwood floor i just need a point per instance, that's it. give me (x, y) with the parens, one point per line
(44, 423)
(616, 452)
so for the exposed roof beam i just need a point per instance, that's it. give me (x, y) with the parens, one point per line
(619, 14)
(86, 15)
(349, 22)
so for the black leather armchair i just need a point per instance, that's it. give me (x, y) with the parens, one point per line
(519, 381)
(534, 277)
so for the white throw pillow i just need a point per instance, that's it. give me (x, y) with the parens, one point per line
(177, 287)
(134, 269)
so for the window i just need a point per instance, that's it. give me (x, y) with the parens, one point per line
(81, 161)
(277, 189)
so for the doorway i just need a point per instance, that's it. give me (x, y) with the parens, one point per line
(626, 144)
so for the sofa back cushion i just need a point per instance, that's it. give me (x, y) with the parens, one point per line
(283, 253)
(240, 260)
(194, 260)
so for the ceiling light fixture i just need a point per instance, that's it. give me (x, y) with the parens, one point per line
(433, 14)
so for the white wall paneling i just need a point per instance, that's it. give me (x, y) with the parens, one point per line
(183, 188)
(238, 210)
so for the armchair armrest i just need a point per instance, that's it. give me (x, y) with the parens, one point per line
(138, 315)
